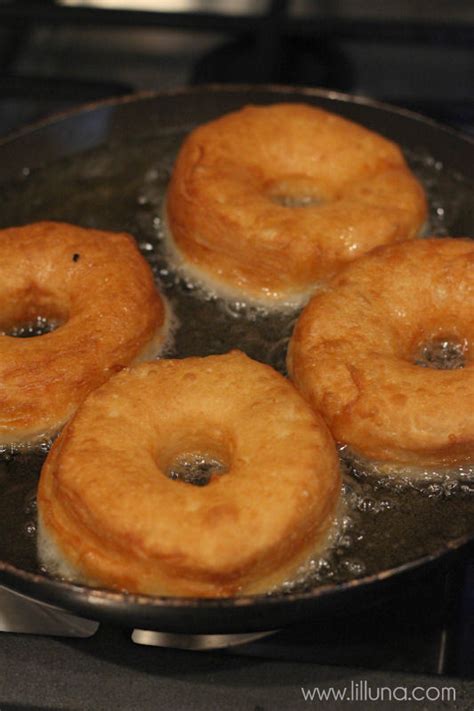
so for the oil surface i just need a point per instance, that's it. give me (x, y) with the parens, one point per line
(122, 187)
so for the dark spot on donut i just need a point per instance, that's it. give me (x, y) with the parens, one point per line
(196, 469)
(117, 367)
(76, 257)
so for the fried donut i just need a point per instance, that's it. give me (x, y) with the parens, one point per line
(269, 201)
(357, 350)
(110, 513)
(99, 291)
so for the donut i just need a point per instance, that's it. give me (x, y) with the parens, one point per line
(99, 292)
(358, 348)
(111, 514)
(268, 201)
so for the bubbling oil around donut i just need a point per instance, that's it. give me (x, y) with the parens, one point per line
(430, 482)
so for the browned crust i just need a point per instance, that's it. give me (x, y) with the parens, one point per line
(223, 220)
(108, 305)
(352, 353)
(105, 501)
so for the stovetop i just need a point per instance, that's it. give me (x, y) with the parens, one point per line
(428, 628)
(418, 641)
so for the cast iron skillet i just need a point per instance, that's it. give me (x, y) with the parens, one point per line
(107, 165)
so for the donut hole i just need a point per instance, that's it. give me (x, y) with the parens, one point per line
(295, 191)
(38, 326)
(32, 312)
(196, 459)
(196, 468)
(442, 353)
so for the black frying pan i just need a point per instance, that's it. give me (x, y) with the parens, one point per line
(107, 166)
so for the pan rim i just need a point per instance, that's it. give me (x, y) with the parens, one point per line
(158, 601)
(315, 92)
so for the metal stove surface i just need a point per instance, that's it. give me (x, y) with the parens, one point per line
(429, 628)
(415, 641)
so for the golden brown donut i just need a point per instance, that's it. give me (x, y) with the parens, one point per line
(346, 190)
(356, 349)
(99, 290)
(109, 514)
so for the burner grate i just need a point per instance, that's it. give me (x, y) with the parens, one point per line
(428, 628)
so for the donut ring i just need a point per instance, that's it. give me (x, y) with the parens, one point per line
(269, 201)
(116, 518)
(99, 290)
(354, 351)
